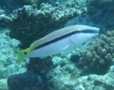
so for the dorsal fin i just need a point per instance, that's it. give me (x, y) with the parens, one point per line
(54, 35)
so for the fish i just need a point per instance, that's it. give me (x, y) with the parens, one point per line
(60, 41)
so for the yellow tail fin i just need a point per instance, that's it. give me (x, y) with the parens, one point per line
(20, 55)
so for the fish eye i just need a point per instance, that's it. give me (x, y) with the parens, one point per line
(25, 53)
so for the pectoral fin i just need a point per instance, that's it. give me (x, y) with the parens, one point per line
(65, 48)
(66, 51)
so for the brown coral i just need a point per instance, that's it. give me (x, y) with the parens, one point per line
(40, 66)
(98, 57)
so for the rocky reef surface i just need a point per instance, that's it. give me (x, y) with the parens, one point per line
(8, 65)
(88, 67)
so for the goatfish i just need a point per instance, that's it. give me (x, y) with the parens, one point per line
(60, 41)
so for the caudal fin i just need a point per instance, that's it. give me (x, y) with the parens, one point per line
(20, 55)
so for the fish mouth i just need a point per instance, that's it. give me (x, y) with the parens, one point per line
(97, 30)
(91, 30)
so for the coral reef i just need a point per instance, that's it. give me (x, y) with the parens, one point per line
(99, 56)
(8, 65)
(40, 66)
(61, 73)
(73, 72)
(35, 78)
(90, 82)
(24, 81)
(67, 76)
(10, 5)
(28, 81)
(30, 22)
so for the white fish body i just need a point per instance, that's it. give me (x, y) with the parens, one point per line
(62, 40)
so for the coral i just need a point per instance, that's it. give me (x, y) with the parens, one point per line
(8, 57)
(64, 74)
(99, 56)
(8, 65)
(32, 24)
(35, 78)
(5, 20)
(28, 81)
(40, 66)
(23, 81)
(67, 76)
(60, 73)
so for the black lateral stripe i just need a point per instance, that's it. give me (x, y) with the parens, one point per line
(64, 36)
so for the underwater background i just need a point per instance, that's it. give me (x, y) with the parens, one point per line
(88, 67)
